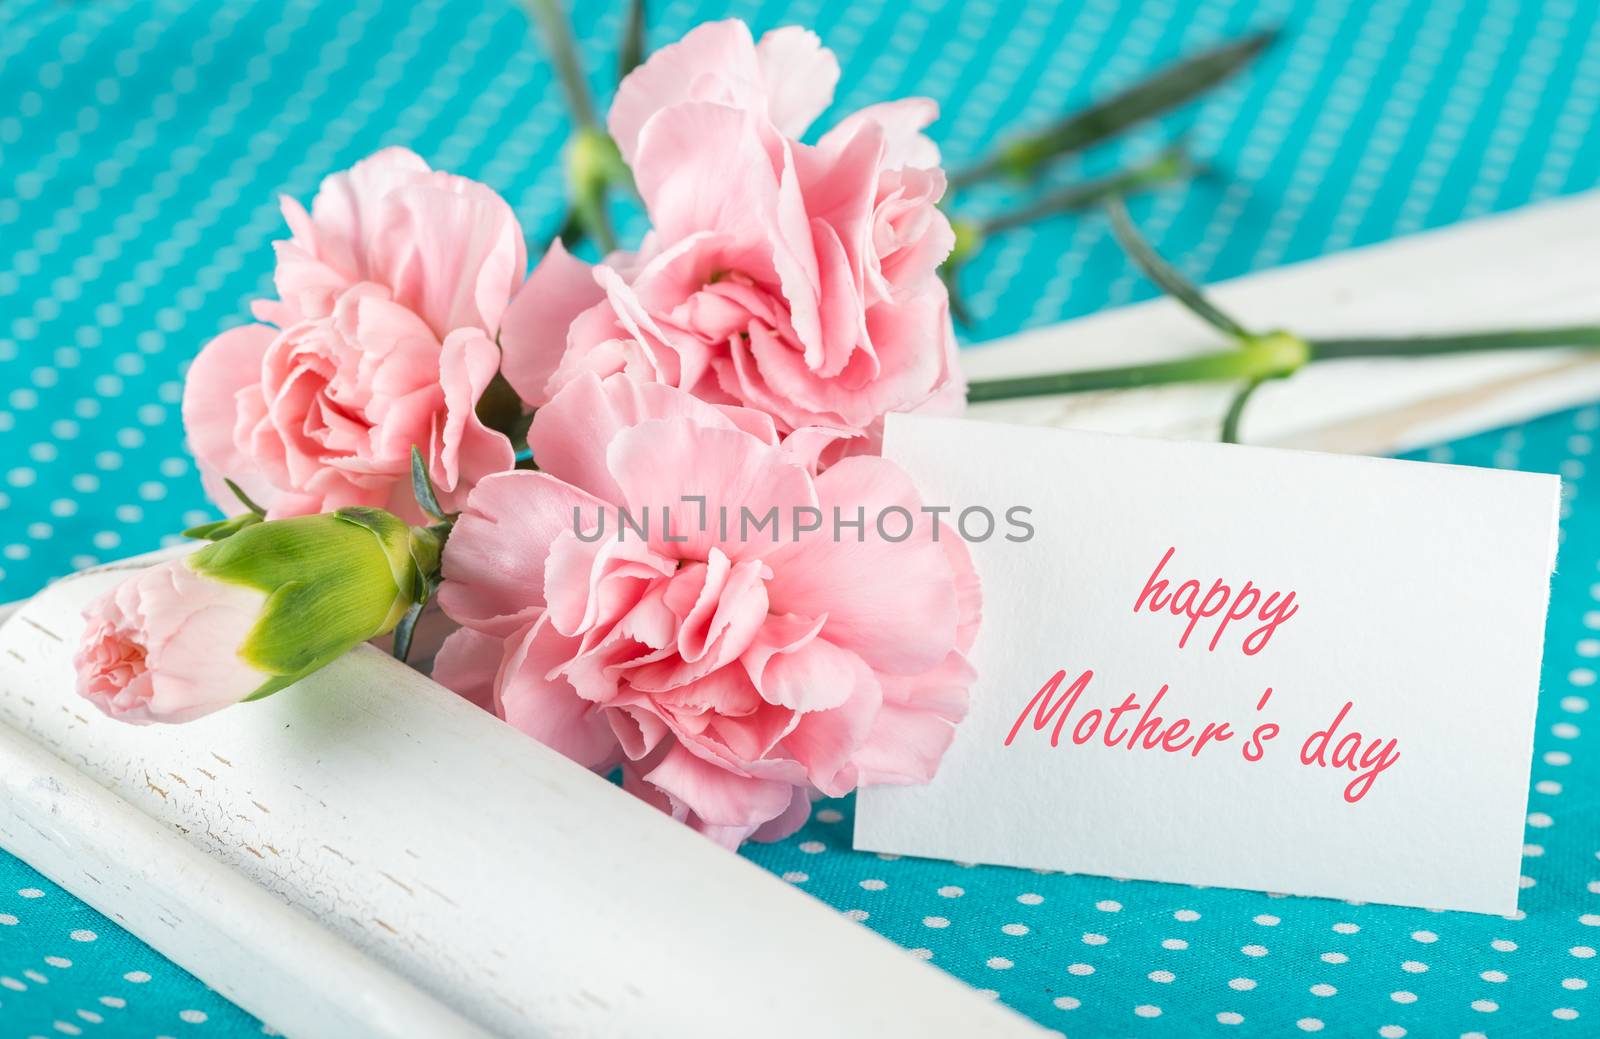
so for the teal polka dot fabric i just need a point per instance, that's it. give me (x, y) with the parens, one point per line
(143, 144)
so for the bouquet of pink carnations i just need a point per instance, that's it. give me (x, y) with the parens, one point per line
(645, 491)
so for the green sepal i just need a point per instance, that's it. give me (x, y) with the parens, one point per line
(422, 487)
(332, 581)
(219, 529)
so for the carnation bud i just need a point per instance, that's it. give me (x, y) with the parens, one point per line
(248, 615)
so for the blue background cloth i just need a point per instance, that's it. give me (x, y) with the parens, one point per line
(142, 147)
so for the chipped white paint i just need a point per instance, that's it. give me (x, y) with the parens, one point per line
(364, 854)
(1532, 267)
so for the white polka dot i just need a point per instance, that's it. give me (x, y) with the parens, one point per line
(1564, 1014)
(1557, 758)
(812, 847)
(1564, 730)
(60, 962)
(1335, 957)
(1081, 970)
(114, 1002)
(1392, 1032)
(1030, 899)
(1095, 939)
(1425, 937)
(1539, 819)
(1016, 930)
(1583, 952)
(1346, 928)
(1309, 1024)
(1175, 944)
(1503, 945)
(951, 891)
(1108, 906)
(1403, 996)
(31, 892)
(873, 885)
(936, 922)
(1067, 1003)
(1241, 984)
(138, 977)
(83, 936)
(1414, 967)
(1485, 1006)
(1574, 984)
(999, 963)
(857, 915)
(796, 878)
(1267, 920)
(194, 1017)
(1186, 915)
(1228, 1017)
(67, 1028)
(1147, 1011)
(1161, 977)
(1590, 919)
(13, 984)
(1254, 950)
(1323, 989)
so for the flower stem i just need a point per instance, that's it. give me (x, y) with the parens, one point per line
(1470, 342)
(563, 50)
(1274, 356)
(1263, 357)
(1166, 167)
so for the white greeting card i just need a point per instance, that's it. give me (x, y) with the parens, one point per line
(1234, 666)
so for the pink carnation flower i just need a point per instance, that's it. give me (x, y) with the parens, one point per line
(392, 289)
(795, 279)
(157, 646)
(730, 674)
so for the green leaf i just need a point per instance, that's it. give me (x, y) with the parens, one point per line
(244, 499)
(1166, 276)
(404, 631)
(422, 487)
(1168, 89)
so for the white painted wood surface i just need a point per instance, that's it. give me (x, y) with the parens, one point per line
(365, 854)
(1536, 266)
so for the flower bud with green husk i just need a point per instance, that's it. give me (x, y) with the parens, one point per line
(248, 615)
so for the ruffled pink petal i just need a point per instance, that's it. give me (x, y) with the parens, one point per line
(660, 463)
(714, 61)
(494, 561)
(534, 699)
(228, 368)
(717, 796)
(791, 667)
(463, 450)
(892, 603)
(903, 121)
(571, 434)
(798, 75)
(451, 250)
(826, 741)
(468, 664)
(533, 333)
(702, 167)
